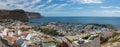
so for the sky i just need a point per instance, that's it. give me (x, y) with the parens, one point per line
(98, 8)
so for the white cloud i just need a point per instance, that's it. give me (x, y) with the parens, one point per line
(117, 7)
(51, 6)
(107, 13)
(76, 8)
(19, 4)
(111, 11)
(61, 5)
(87, 1)
(27, 5)
(49, 1)
(96, 13)
(39, 7)
(105, 7)
(36, 1)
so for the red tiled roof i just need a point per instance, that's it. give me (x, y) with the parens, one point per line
(24, 33)
(0, 31)
(48, 39)
(16, 35)
(108, 33)
(33, 45)
(63, 44)
(11, 39)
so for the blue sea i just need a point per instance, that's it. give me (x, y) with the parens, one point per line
(100, 20)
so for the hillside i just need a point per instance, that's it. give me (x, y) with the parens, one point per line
(18, 15)
(114, 41)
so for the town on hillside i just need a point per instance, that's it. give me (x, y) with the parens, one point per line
(14, 33)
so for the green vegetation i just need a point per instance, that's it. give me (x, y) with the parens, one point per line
(104, 40)
(36, 28)
(4, 41)
(50, 31)
(49, 44)
(25, 29)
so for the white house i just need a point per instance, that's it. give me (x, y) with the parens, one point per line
(5, 31)
(1, 34)
(29, 36)
(10, 34)
(19, 32)
(24, 45)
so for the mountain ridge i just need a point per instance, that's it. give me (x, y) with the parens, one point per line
(18, 14)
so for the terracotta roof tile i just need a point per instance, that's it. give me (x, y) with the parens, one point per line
(48, 39)
(16, 35)
(0, 31)
(24, 34)
(63, 44)
(11, 39)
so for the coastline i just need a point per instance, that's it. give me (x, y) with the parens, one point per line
(72, 34)
(102, 20)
